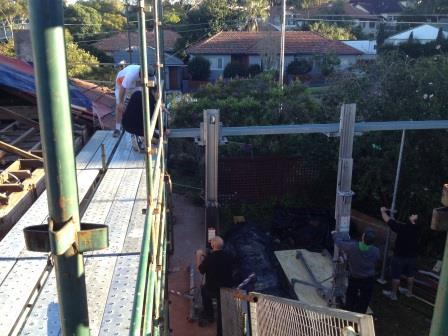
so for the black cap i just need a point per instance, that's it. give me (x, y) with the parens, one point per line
(369, 236)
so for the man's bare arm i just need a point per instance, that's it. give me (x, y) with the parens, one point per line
(384, 214)
(199, 258)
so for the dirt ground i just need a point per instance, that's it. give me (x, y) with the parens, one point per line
(405, 317)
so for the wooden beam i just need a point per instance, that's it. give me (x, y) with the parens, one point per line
(20, 174)
(8, 127)
(11, 187)
(13, 149)
(31, 163)
(17, 140)
(20, 117)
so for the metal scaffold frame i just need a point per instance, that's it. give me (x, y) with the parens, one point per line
(149, 315)
(150, 304)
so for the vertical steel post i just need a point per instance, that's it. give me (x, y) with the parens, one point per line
(439, 325)
(128, 28)
(145, 96)
(343, 190)
(382, 279)
(159, 65)
(282, 44)
(211, 137)
(47, 31)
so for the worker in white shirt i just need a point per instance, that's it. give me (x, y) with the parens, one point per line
(128, 79)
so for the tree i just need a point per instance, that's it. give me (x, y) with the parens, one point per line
(327, 63)
(82, 20)
(79, 62)
(12, 11)
(440, 36)
(254, 11)
(7, 48)
(299, 67)
(331, 31)
(398, 88)
(235, 69)
(199, 68)
(381, 36)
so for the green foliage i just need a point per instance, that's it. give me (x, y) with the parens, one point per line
(299, 67)
(199, 68)
(7, 48)
(91, 17)
(414, 49)
(235, 69)
(13, 10)
(254, 69)
(82, 19)
(171, 17)
(327, 63)
(398, 88)
(99, 54)
(332, 31)
(254, 10)
(80, 63)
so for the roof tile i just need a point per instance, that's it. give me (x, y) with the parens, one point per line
(296, 42)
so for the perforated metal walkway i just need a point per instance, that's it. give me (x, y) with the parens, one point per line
(28, 284)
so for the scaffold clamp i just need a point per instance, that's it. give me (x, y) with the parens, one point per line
(44, 238)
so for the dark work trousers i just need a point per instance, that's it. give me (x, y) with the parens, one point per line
(359, 293)
(207, 303)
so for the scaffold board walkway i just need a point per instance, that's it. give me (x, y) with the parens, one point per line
(27, 282)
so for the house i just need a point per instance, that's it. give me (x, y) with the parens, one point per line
(263, 48)
(367, 47)
(358, 17)
(173, 65)
(120, 41)
(384, 8)
(423, 34)
(89, 102)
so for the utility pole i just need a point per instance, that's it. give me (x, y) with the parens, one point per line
(282, 44)
(344, 192)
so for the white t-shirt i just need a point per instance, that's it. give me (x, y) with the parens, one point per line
(128, 77)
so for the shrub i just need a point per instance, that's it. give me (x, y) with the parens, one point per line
(199, 68)
(235, 69)
(254, 70)
(327, 63)
(299, 67)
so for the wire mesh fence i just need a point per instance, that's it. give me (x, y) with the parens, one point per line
(234, 312)
(274, 316)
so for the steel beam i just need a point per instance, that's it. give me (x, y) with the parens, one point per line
(328, 129)
(47, 31)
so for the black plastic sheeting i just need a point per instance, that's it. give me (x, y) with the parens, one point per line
(303, 228)
(253, 253)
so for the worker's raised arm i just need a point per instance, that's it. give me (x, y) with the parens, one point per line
(199, 259)
(384, 214)
(342, 240)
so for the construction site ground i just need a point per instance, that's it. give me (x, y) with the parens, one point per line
(189, 235)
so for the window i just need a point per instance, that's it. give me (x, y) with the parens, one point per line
(220, 63)
(371, 24)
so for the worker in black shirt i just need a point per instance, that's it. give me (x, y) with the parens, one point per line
(217, 267)
(405, 253)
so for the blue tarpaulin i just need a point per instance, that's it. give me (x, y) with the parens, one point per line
(12, 78)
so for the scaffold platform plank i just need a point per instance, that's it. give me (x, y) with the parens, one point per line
(111, 274)
(23, 273)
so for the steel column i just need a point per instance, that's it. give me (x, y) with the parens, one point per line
(47, 31)
(343, 191)
(211, 137)
(382, 279)
(145, 95)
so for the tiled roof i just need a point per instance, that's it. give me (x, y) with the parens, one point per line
(123, 56)
(253, 43)
(120, 41)
(379, 6)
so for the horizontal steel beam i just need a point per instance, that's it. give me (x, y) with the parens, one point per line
(332, 129)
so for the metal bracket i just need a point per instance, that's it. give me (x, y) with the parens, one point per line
(43, 238)
(200, 140)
